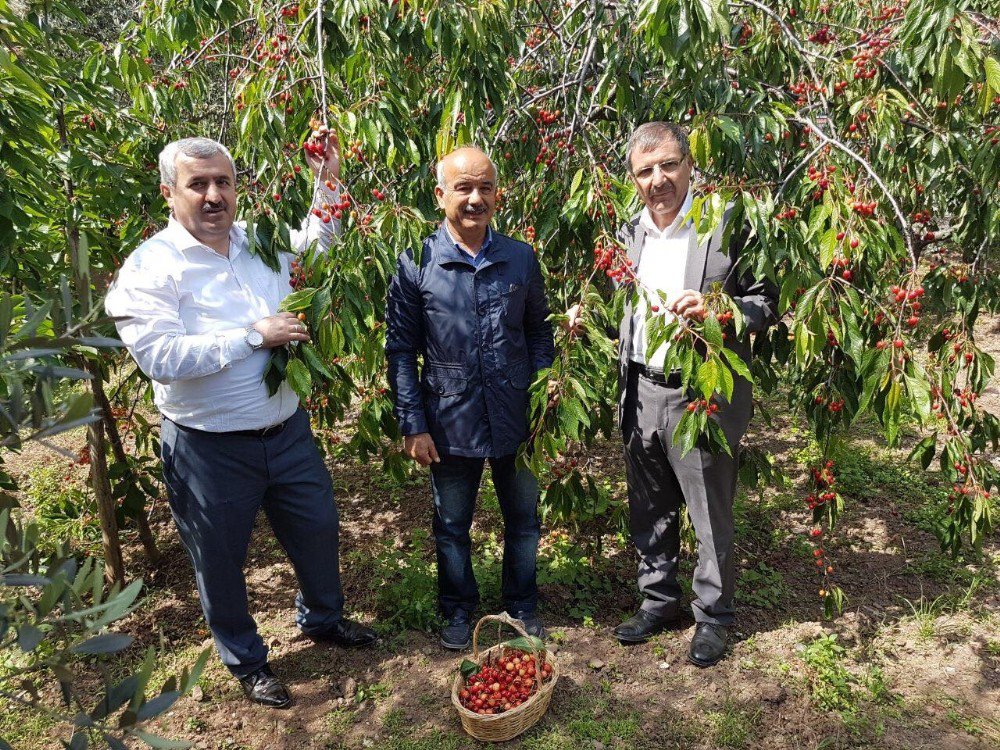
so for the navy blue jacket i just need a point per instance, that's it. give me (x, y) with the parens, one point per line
(483, 333)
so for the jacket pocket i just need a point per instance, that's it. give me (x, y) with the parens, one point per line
(443, 380)
(512, 305)
(519, 374)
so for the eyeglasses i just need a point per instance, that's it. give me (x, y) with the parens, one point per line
(666, 167)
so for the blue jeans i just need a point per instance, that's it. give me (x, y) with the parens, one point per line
(217, 484)
(455, 484)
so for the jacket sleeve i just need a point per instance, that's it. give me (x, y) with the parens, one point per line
(757, 300)
(537, 327)
(403, 341)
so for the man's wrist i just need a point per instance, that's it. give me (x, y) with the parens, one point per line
(253, 338)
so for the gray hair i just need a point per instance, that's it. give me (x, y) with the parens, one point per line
(195, 148)
(649, 135)
(439, 168)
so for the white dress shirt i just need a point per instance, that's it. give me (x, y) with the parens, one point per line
(661, 273)
(182, 311)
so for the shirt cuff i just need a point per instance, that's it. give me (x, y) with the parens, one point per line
(233, 346)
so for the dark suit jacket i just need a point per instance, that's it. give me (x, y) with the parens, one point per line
(483, 334)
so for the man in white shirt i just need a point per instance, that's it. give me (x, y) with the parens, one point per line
(671, 271)
(198, 312)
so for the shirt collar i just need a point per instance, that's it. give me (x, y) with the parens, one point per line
(182, 239)
(646, 219)
(487, 241)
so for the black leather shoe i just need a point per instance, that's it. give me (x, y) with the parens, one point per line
(347, 634)
(640, 627)
(264, 688)
(708, 645)
(456, 634)
(532, 623)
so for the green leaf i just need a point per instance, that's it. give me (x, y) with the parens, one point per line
(992, 68)
(195, 674)
(157, 705)
(115, 698)
(712, 331)
(468, 668)
(717, 437)
(28, 637)
(827, 247)
(924, 451)
(529, 644)
(738, 365)
(312, 358)
(686, 433)
(105, 643)
(299, 378)
(919, 391)
(707, 378)
(298, 301)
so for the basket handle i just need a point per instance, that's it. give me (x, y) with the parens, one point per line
(504, 619)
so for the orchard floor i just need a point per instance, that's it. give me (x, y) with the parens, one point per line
(913, 662)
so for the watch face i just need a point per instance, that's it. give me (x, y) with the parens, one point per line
(255, 338)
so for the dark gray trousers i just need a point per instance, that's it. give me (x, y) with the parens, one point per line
(659, 480)
(217, 484)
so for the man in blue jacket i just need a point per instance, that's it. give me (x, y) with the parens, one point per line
(472, 305)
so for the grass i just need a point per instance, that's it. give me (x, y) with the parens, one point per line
(761, 587)
(23, 728)
(735, 726)
(591, 718)
(63, 508)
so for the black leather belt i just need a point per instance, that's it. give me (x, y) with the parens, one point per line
(261, 433)
(670, 379)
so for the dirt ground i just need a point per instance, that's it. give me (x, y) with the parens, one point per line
(915, 662)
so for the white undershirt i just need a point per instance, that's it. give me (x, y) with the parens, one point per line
(661, 268)
(182, 310)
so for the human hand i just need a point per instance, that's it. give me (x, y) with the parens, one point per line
(691, 305)
(281, 329)
(420, 448)
(324, 161)
(574, 319)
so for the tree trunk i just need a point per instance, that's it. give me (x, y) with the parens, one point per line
(118, 450)
(114, 565)
(100, 482)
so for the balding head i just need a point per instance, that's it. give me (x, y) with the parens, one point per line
(467, 192)
(459, 156)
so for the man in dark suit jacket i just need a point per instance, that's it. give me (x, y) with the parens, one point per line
(672, 271)
(472, 305)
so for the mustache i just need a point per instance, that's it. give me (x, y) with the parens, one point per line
(213, 207)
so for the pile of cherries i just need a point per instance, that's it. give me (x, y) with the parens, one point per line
(504, 684)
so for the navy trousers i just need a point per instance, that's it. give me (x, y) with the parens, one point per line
(455, 484)
(216, 484)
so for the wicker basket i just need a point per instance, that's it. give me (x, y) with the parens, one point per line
(509, 724)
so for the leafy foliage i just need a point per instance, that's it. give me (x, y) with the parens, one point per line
(856, 142)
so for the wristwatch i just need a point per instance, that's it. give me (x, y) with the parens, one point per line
(254, 338)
